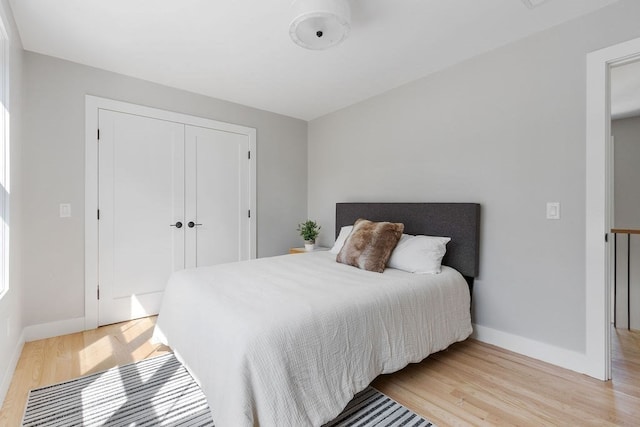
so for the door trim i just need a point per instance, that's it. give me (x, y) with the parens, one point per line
(598, 212)
(92, 105)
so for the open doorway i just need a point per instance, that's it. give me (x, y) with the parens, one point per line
(598, 207)
(625, 203)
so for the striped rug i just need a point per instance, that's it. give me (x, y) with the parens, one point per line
(160, 392)
(371, 408)
(152, 392)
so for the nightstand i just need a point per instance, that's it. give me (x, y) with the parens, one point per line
(301, 250)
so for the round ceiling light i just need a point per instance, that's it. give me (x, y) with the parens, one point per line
(319, 24)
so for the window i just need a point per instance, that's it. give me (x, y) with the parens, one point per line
(4, 160)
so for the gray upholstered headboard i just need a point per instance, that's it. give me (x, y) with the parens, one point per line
(460, 221)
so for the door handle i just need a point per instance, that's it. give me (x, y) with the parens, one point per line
(192, 224)
(176, 225)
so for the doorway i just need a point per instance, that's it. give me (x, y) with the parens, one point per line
(599, 221)
(625, 148)
(164, 191)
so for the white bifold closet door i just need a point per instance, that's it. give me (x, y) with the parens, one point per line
(170, 196)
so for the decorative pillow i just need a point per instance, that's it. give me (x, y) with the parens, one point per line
(419, 254)
(342, 237)
(370, 244)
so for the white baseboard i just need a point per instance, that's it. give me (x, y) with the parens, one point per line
(5, 380)
(53, 329)
(558, 356)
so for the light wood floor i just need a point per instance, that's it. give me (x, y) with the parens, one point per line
(471, 383)
(59, 359)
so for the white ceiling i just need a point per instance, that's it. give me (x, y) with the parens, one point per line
(625, 90)
(240, 51)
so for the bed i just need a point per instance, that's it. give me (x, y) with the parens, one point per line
(289, 340)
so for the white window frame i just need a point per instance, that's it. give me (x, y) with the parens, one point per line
(5, 174)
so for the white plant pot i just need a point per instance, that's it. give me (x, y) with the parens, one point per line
(309, 246)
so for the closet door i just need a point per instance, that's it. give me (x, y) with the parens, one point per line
(141, 200)
(217, 197)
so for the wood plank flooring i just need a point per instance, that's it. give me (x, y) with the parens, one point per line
(59, 359)
(471, 383)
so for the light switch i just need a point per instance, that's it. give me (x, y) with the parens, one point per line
(553, 210)
(65, 210)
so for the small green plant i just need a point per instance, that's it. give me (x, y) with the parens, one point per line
(309, 230)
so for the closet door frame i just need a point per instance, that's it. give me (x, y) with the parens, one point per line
(92, 106)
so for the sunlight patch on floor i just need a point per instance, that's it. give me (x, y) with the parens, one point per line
(95, 354)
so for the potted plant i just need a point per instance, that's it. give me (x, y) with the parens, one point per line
(309, 231)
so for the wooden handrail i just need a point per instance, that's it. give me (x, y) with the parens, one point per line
(625, 230)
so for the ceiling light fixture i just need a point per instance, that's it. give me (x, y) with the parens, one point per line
(319, 24)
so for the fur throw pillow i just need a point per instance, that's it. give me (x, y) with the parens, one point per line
(370, 244)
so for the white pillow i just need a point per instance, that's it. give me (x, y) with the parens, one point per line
(419, 254)
(342, 237)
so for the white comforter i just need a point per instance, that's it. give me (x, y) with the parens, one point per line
(288, 341)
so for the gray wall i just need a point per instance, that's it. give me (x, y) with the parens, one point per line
(626, 134)
(507, 130)
(54, 156)
(11, 303)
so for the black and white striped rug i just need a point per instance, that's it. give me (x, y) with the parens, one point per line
(371, 408)
(152, 392)
(160, 392)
